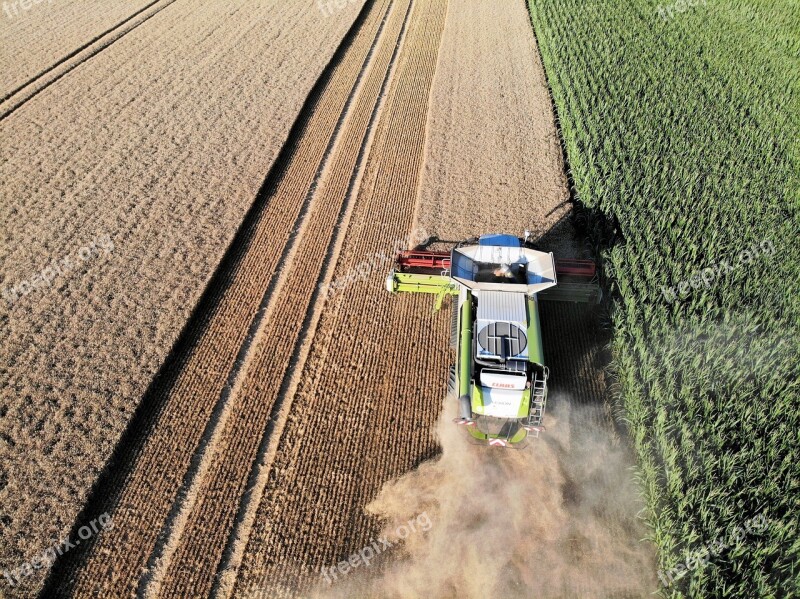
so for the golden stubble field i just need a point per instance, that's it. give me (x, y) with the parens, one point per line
(124, 182)
(37, 36)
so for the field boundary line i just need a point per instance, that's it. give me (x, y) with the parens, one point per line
(83, 53)
(258, 478)
(150, 583)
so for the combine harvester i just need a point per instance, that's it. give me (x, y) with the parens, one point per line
(497, 282)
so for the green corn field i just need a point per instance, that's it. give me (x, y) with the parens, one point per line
(681, 122)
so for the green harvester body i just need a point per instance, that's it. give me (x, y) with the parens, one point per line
(495, 283)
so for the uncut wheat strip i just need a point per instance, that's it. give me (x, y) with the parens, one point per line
(281, 341)
(493, 151)
(36, 39)
(268, 556)
(159, 469)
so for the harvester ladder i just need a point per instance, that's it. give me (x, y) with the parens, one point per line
(538, 400)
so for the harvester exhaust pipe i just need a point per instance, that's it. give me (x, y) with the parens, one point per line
(464, 408)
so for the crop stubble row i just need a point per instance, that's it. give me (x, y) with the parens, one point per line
(150, 487)
(279, 347)
(360, 417)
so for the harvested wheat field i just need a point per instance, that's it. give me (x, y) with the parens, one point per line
(207, 390)
(124, 182)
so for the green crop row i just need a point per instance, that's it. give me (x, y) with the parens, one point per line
(681, 122)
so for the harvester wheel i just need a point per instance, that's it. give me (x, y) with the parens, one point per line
(454, 327)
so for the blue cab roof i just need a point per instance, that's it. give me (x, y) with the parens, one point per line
(507, 241)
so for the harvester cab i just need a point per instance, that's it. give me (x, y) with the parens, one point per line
(499, 377)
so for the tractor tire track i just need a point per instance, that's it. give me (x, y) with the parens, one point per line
(259, 474)
(349, 393)
(205, 527)
(17, 97)
(142, 480)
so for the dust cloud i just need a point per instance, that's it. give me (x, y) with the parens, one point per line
(557, 519)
